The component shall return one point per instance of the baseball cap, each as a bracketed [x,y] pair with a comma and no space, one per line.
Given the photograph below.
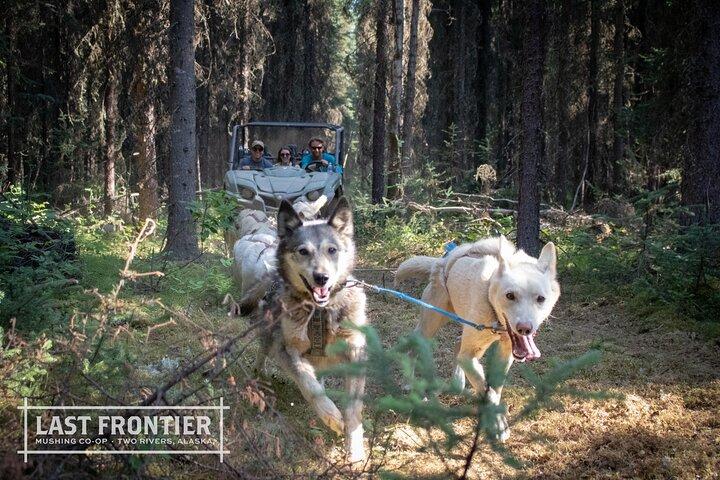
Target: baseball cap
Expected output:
[257,143]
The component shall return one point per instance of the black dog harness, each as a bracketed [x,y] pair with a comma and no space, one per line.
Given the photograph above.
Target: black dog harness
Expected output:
[317,332]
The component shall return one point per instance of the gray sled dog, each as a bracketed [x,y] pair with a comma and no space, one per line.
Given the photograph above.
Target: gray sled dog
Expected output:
[303,312]
[254,251]
[486,282]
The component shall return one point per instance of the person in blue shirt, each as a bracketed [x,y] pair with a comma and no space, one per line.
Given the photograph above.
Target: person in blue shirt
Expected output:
[256,160]
[326,162]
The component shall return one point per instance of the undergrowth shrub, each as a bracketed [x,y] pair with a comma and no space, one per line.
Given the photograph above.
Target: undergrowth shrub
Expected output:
[213,213]
[387,234]
[37,261]
[653,264]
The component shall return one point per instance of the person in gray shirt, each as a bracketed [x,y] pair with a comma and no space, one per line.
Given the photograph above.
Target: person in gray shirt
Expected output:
[256,160]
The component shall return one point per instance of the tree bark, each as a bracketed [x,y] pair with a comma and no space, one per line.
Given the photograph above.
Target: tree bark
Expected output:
[528,222]
[181,237]
[379,126]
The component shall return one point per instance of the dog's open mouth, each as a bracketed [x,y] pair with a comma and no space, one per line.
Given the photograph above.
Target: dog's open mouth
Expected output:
[320,295]
[523,346]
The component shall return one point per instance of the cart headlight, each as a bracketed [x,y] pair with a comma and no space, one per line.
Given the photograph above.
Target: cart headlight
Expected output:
[246,193]
[314,195]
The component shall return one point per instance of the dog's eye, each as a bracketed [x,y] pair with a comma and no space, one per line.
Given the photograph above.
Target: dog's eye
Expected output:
[510,296]
[540,299]
[303,251]
[332,250]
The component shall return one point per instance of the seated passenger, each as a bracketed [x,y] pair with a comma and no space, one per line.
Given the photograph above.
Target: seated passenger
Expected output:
[255,160]
[284,158]
[326,162]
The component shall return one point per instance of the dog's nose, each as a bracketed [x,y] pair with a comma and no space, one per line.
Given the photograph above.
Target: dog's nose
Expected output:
[320,278]
[524,328]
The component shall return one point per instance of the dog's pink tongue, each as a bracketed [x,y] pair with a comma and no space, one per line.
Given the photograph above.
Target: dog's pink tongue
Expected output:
[533,350]
[321,293]
[526,347]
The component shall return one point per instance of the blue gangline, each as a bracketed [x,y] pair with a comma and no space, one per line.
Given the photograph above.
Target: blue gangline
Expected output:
[431,307]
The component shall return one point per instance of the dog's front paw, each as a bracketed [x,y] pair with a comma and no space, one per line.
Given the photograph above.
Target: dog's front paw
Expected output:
[459,377]
[500,429]
[330,415]
[354,445]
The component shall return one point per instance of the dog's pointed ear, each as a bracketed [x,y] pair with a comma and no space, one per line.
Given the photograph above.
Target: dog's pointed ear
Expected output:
[507,248]
[548,259]
[501,267]
[505,252]
[288,219]
[341,218]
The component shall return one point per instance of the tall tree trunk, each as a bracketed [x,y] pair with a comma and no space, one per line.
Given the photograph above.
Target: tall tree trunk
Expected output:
[394,178]
[408,107]
[460,97]
[507,47]
[247,40]
[701,170]
[219,116]
[112,149]
[528,227]
[618,94]
[181,236]
[205,166]
[593,163]
[483,67]
[13,158]
[562,105]
[379,126]
[145,129]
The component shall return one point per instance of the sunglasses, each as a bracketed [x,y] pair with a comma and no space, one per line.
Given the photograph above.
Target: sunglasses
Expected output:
[316,148]
[258,149]
[284,154]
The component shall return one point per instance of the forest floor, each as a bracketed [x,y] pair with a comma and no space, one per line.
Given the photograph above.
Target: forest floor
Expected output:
[662,419]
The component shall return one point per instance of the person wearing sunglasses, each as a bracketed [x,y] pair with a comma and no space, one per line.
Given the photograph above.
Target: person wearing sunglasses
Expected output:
[256,160]
[317,159]
[284,158]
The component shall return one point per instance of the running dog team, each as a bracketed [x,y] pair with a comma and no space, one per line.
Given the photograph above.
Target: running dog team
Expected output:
[488,282]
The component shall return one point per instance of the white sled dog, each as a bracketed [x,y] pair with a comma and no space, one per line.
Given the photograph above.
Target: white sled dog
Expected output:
[303,312]
[486,282]
[253,257]
[254,251]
